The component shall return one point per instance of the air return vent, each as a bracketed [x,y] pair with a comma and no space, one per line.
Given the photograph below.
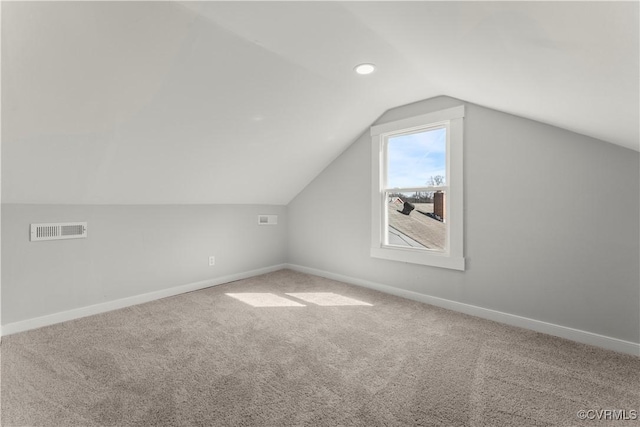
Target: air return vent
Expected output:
[267,219]
[57,231]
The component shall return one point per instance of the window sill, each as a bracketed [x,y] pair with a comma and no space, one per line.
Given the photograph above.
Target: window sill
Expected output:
[413,256]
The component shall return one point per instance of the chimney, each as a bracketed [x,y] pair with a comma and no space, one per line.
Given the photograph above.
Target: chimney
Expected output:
[438,205]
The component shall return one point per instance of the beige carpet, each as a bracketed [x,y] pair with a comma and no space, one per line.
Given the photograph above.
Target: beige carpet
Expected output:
[317,357]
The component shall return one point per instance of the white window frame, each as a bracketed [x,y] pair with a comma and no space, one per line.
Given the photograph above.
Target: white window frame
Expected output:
[453,255]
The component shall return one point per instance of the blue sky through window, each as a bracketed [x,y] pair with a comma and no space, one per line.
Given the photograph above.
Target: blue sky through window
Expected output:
[414,158]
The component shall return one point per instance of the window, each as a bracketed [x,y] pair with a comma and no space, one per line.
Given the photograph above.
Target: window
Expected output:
[417,194]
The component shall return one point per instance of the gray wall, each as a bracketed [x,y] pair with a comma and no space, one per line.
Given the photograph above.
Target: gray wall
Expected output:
[551,229]
[551,224]
[130,250]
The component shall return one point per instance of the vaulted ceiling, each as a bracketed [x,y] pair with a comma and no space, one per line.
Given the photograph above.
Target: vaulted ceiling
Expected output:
[246,102]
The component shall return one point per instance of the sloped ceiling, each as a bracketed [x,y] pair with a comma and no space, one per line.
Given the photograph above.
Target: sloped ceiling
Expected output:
[242,102]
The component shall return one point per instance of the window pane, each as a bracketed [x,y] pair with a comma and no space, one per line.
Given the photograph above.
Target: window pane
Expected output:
[417,219]
[417,159]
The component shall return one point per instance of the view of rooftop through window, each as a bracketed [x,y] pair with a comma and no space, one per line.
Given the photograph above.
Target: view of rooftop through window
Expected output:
[416,189]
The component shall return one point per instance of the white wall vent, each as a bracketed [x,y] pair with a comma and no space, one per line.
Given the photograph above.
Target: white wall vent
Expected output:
[57,231]
[267,219]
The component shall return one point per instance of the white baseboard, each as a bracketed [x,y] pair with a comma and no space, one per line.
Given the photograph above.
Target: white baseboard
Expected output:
[38,322]
[577,335]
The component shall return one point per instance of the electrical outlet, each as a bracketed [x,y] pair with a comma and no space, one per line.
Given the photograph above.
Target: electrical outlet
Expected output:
[212,260]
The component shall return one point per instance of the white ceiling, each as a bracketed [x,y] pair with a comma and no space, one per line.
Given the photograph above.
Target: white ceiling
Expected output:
[238,102]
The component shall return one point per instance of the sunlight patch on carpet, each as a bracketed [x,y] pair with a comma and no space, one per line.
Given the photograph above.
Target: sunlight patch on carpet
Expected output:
[326,298]
[264,299]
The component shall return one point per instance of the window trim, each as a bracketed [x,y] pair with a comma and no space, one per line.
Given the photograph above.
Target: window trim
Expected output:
[453,258]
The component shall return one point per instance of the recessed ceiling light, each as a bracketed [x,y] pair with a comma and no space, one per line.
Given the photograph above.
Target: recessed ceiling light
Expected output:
[365,69]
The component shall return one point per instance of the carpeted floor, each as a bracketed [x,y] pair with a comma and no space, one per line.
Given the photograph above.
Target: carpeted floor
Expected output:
[316,358]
